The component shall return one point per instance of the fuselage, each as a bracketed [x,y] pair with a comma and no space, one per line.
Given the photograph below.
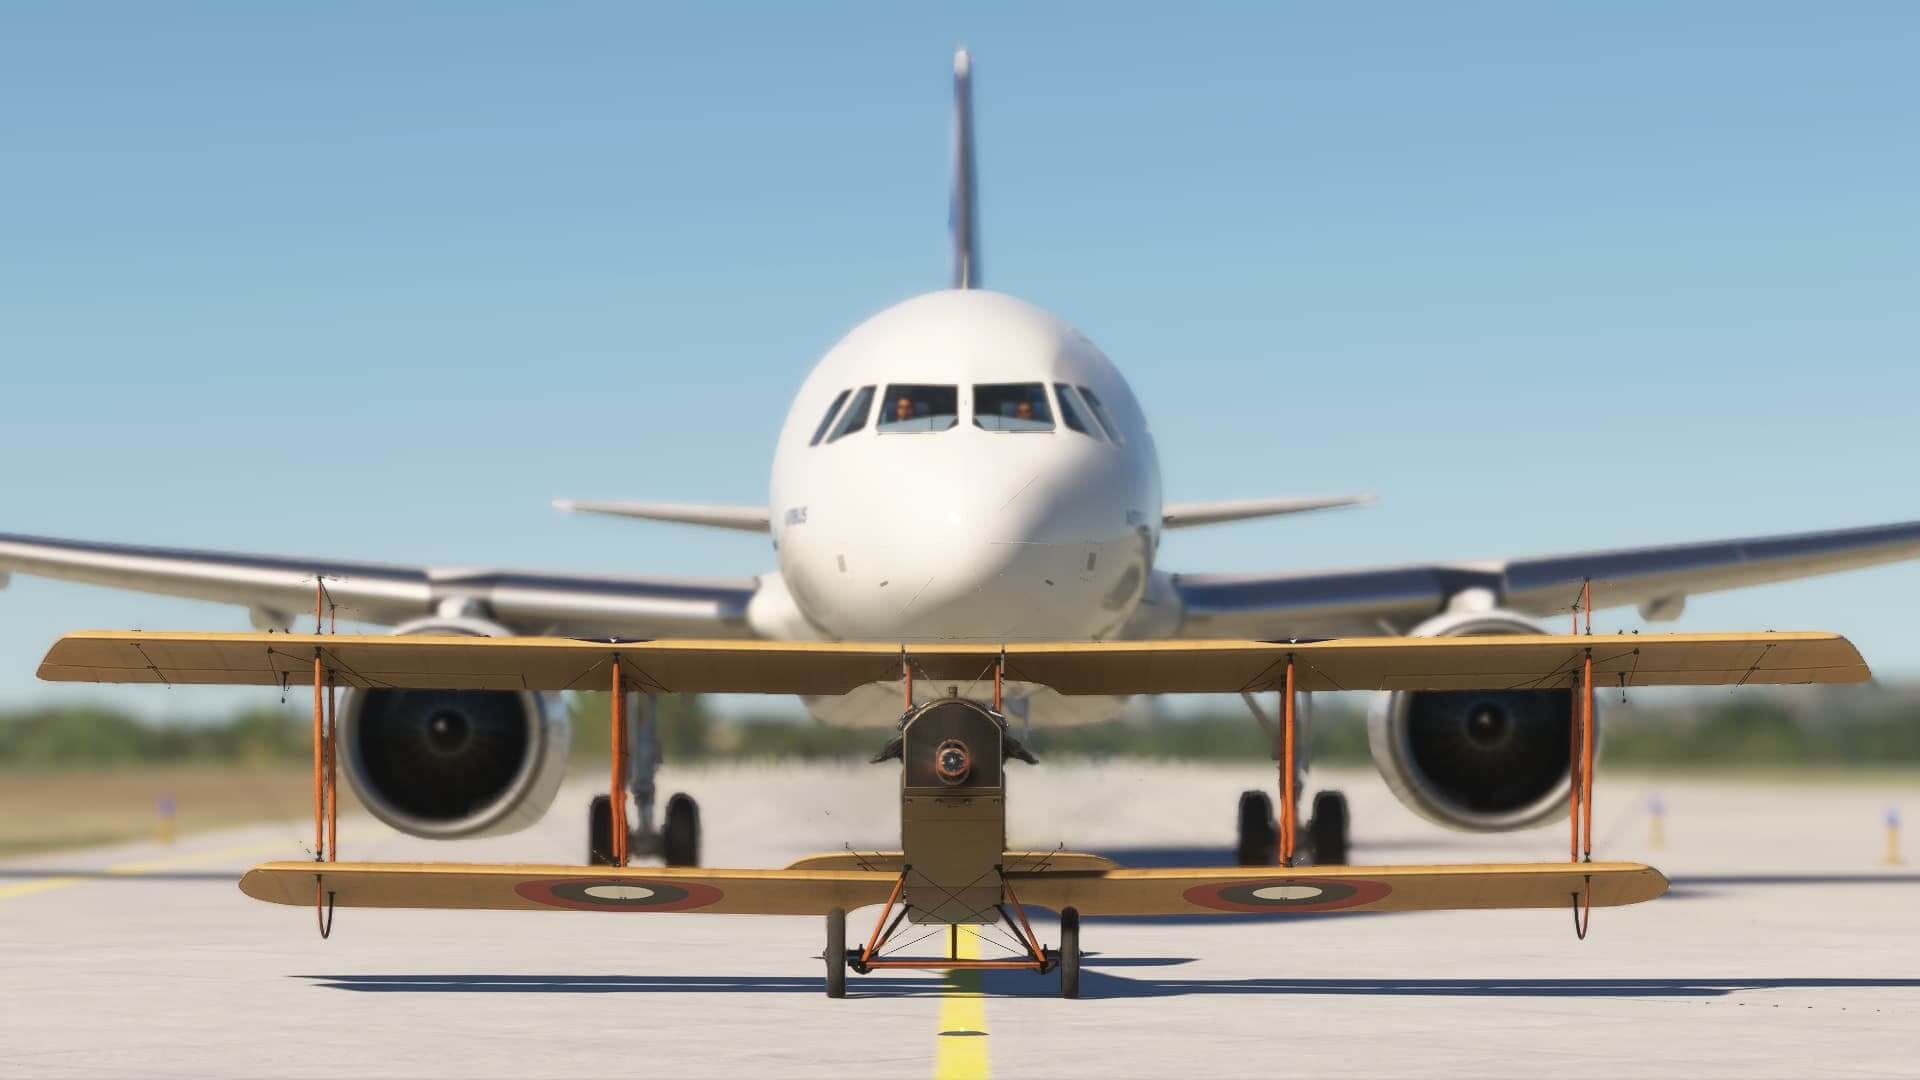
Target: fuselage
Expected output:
[963,466]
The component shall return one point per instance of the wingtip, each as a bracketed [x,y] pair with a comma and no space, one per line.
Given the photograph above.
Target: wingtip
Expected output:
[566,506]
[962,62]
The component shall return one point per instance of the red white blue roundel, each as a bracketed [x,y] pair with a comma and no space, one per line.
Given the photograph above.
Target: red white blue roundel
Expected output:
[618,894]
[1287,895]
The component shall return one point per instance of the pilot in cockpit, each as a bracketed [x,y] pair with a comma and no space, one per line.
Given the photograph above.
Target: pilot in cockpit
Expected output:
[1024,410]
[903,409]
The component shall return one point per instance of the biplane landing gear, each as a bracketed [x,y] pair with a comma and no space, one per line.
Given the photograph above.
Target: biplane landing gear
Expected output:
[1069,953]
[836,954]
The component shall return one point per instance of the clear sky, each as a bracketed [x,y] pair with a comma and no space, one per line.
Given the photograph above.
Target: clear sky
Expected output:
[380,280]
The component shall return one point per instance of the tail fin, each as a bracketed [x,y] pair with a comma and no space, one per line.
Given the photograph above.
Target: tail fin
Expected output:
[964,214]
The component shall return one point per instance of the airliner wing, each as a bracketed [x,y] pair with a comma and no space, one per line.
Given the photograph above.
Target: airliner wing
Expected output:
[1393,599]
[276,587]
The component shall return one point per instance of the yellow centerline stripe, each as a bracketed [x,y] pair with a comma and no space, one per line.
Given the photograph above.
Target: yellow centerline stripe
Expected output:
[960,1052]
[136,869]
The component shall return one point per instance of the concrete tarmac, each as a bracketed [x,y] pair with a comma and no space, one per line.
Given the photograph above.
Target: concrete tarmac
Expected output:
[1788,947]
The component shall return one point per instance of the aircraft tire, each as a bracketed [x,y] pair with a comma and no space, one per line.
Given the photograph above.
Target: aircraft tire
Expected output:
[600,831]
[680,836]
[1259,837]
[836,954]
[1327,830]
[1069,953]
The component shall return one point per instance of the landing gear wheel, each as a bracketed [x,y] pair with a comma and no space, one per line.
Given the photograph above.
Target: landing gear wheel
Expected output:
[1069,953]
[1259,840]
[600,831]
[680,836]
[1327,829]
[836,955]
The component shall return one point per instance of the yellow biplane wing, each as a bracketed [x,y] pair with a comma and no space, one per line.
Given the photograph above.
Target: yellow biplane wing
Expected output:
[1120,667]
[1305,890]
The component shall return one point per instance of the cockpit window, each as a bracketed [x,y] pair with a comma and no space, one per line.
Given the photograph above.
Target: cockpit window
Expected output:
[909,407]
[1011,407]
[832,410]
[1070,411]
[855,417]
[1100,413]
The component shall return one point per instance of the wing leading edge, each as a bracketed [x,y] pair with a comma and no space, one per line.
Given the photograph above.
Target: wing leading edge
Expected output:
[1394,599]
[276,587]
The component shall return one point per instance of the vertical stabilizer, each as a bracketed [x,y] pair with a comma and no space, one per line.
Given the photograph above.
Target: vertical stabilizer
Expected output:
[964,215]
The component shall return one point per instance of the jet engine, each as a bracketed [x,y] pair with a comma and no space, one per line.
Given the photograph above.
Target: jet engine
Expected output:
[1477,760]
[443,764]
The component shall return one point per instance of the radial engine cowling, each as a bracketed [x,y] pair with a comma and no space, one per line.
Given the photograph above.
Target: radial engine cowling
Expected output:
[1478,760]
[444,764]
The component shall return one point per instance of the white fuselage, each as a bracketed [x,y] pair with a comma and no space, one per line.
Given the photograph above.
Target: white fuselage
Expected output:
[965,505]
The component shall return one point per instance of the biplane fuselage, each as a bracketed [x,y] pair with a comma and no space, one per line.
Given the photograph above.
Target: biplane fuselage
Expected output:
[964,525]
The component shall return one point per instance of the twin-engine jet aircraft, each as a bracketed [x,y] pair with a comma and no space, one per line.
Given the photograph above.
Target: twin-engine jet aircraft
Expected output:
[1045,528]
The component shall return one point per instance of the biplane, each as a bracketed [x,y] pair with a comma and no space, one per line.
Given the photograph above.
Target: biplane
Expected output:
[953,867]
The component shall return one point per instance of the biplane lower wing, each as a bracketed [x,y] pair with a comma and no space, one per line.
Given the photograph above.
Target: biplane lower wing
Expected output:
[1198,891]
[1308,890]
[507,887]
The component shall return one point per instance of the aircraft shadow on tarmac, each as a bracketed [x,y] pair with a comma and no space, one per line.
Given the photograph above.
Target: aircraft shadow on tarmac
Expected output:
[1094,984]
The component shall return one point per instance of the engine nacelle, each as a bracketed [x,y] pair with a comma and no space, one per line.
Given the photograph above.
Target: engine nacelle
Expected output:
[444,764]
[1478,760]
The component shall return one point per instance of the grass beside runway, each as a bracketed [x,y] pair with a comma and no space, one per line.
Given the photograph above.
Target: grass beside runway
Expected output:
[56,809]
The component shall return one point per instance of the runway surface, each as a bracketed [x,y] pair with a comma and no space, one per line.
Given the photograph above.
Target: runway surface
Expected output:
[1787,947]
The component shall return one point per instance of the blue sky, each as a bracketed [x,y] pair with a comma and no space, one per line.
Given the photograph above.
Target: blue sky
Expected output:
[378,281]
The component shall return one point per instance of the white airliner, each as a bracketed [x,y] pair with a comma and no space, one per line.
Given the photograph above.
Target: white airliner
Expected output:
[963,465]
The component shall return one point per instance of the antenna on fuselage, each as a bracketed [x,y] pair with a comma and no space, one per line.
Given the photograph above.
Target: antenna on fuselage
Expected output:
[963,215]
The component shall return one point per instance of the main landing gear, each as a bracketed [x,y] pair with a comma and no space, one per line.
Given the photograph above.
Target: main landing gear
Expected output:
[677,839]
[1324,836]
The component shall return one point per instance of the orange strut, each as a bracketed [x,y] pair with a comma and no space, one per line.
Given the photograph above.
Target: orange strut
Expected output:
[1586,755]
[1573,779]
[319,733]
[333,773]
[618,797]
[1286,770]
[866,954]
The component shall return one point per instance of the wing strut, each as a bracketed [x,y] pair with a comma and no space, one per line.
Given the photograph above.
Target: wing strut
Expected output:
[1580,783]
[326,761]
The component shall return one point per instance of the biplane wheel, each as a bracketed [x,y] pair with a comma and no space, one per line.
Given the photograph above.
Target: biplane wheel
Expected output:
[680,836]
[836,955]
[1069,953]
[1259,838]
[600,831]
[1327,829]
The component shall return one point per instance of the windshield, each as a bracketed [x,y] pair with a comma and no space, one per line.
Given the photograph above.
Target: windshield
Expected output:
[1100,413]
[856,415]
[911,407]
[1070,412]
[821,431]
[1011,407]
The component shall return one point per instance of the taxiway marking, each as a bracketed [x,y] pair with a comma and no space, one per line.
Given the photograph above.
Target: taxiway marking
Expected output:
[961,1052]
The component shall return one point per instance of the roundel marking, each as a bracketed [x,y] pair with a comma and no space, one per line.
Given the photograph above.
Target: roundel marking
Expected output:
[1319,894]
[618,894]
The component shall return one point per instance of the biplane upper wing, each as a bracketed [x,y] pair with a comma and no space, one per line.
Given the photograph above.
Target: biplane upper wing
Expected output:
[508,663]
[1093,890]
